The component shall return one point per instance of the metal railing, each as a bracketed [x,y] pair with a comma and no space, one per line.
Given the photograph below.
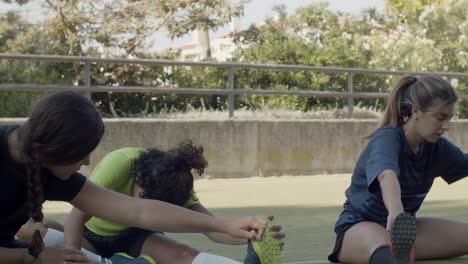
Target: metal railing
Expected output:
[231,91]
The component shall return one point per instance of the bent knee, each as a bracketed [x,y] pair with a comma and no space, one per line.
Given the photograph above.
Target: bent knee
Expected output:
[182,252]
[186,251]
[361,241]
[362,254]
[26,232]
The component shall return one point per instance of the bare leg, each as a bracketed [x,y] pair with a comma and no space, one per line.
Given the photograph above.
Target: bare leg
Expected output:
[168,251]
[440,238]
[26,232]
[360,241]
[165,250]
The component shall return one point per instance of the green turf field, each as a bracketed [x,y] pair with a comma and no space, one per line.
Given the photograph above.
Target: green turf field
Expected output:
[306,206]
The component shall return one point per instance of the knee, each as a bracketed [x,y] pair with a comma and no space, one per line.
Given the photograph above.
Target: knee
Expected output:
[26,232]
[377,247]
[184,252]
[361,252]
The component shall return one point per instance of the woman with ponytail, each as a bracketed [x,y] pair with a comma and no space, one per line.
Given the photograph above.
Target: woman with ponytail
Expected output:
[149,174]
[39,161]
[394,174]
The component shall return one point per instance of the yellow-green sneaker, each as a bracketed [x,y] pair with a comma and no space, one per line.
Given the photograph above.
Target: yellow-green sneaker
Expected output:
[268,249]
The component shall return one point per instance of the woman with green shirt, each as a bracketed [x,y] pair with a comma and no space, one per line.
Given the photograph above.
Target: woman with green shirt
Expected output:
[158,175]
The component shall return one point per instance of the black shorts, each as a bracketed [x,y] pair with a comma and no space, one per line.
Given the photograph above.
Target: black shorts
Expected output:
[129,241]
[340,232]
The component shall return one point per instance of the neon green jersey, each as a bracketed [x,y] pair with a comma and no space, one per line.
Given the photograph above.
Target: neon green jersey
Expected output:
[115,172]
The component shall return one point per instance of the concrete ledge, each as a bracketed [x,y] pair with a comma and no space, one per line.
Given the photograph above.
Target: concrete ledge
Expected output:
[243,148]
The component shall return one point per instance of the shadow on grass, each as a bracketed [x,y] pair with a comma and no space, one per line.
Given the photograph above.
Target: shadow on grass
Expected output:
[309,229]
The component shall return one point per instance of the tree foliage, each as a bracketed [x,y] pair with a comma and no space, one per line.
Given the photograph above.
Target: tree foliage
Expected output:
[435,41]
[410,7]
[125,24]
[432,39]
[18,36]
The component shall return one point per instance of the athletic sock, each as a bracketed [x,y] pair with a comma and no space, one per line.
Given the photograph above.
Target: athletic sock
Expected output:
[382,255]
[252,256]
[55,238]
[205,258]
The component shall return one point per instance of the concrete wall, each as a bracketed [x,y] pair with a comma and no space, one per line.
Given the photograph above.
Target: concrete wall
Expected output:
[242,148]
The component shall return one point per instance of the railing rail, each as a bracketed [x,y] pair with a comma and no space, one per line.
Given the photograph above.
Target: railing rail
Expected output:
[231,91]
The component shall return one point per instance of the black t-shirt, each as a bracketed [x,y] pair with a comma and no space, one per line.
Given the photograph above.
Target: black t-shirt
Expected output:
[13,193]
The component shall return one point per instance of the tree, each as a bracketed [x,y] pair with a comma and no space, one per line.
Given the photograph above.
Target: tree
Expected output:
[19,36]
[409,7]
[433,41]
[126,24]
[312,36]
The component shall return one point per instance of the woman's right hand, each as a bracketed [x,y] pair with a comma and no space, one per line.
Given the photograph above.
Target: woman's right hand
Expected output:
[241,227]
[61,255]
[391,218]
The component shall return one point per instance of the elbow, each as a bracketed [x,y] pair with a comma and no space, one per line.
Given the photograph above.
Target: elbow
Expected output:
[386,174]
[214,237]
[141,214]
[78,214]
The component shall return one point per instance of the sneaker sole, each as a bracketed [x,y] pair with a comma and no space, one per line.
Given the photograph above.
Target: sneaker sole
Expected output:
[403,236]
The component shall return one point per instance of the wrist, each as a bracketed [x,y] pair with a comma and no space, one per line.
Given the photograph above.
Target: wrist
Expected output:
[72,246]
[218,225]
[396,210]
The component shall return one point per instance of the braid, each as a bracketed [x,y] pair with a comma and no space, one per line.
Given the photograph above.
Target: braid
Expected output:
[63,127]
[35,199]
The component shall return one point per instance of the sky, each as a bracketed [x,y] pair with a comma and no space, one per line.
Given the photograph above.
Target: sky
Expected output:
[255,12]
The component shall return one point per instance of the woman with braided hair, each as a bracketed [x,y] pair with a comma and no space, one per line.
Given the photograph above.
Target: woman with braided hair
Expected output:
[39,161]
[159,175]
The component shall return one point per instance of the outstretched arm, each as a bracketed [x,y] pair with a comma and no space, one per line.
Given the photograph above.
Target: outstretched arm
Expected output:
[217,237]
[157,215]
[391,194]
[73,231]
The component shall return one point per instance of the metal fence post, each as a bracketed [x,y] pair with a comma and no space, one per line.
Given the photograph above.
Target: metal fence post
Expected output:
[350,95]
[87,78]
[231,88]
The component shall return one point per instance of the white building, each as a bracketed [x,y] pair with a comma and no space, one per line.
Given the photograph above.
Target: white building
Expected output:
[221,47]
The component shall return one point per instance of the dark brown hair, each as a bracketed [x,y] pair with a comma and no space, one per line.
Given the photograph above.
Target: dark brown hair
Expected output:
[62,128]
[166,176]
[420,91]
